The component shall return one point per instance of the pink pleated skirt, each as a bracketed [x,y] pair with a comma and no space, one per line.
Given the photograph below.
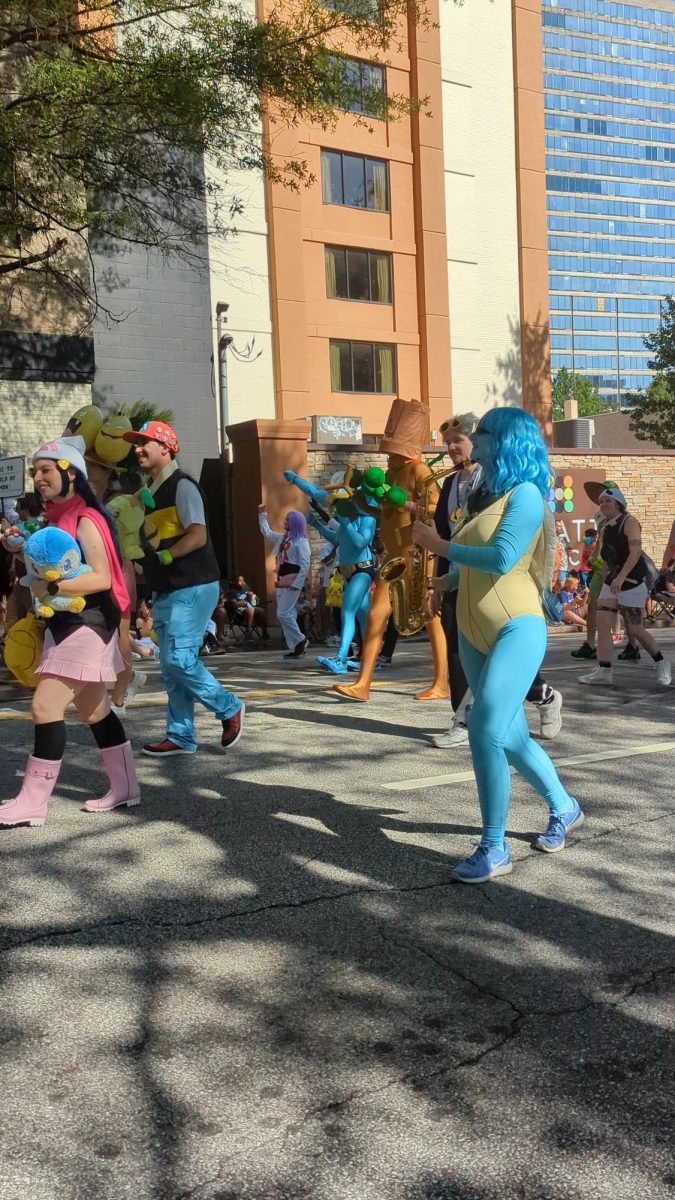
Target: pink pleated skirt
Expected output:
[82,656]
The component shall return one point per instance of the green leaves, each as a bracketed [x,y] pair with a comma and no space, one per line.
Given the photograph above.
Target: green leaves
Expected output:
[653,411]
[109,107]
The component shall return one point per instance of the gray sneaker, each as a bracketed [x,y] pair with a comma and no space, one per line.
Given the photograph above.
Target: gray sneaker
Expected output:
[550,718]
[456,735]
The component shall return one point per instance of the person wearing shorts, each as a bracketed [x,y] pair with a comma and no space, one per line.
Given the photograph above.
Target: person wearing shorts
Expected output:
[624,589]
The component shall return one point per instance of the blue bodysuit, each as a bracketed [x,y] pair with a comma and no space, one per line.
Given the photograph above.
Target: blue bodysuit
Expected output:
[502,641]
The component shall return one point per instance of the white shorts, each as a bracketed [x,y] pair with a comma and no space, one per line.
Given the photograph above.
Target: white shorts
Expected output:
[635,597]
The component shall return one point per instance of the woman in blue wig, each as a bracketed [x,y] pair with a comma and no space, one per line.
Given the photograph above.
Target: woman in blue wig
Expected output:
[498,556]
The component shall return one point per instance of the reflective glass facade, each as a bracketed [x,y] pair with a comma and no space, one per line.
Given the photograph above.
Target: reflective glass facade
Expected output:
[609,81]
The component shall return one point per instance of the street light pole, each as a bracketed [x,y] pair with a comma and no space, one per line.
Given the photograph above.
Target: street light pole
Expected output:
[224,340]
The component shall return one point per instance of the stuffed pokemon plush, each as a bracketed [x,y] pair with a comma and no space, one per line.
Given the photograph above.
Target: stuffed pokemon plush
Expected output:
[52,554]
[109,446]
[86,422]
[23,649]
[129,516]
[15,537]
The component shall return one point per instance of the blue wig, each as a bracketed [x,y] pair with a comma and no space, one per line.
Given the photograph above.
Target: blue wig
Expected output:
[518,452]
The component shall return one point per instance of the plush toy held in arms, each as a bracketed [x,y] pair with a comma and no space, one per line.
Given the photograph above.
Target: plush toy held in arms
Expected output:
[52,555]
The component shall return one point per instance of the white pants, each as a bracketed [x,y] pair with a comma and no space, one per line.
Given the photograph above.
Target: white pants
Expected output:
[287,605]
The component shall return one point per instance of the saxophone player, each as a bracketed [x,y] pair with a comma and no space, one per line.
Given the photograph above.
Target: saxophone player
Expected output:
[404,434]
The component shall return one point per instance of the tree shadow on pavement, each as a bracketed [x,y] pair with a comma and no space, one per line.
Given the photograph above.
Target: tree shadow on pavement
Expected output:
[263,996]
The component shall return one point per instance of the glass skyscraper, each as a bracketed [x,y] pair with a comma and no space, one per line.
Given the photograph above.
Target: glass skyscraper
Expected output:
[609,83]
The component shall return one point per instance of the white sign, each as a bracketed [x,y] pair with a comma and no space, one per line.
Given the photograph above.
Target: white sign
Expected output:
[11,478]
[344,430]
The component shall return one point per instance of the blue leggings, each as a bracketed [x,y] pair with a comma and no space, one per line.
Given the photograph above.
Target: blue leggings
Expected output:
[498,732]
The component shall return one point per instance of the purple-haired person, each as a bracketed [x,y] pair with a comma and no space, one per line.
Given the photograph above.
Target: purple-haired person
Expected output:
[292,554]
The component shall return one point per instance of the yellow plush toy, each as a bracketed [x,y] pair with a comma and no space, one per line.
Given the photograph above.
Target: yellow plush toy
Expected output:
[109,446]
[23,649]
[86,423]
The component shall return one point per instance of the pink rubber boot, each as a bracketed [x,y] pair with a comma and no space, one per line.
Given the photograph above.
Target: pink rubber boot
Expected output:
[31,806]
[118,764]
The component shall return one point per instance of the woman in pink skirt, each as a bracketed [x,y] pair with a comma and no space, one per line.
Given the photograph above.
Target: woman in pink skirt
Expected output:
[80,654]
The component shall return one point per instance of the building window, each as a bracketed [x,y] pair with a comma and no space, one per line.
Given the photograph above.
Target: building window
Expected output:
[358,275]
[355,181]
[363,84]
[362,367]
[365,10]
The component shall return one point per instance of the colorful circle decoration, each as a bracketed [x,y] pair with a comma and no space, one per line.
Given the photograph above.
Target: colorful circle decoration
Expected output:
[561,494]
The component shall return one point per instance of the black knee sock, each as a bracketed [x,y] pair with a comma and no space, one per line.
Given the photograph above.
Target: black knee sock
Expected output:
[658,657]
[50,740]
[109,732]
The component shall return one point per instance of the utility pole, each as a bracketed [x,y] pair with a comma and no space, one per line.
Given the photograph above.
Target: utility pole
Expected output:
[618,357]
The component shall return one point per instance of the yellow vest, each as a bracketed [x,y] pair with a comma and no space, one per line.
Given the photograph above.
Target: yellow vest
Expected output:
[486,603]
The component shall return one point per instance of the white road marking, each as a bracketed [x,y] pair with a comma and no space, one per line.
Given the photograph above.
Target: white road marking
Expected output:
[413,785]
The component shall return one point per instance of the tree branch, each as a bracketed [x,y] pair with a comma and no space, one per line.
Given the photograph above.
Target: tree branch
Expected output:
[19,264]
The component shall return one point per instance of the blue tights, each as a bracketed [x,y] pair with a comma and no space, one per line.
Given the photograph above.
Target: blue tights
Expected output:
[498,732]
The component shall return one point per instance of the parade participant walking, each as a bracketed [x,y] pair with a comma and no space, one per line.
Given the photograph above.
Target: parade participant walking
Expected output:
[293,557]
[80,655]
[184,578]
[499,556]
[456,433]
[624,589]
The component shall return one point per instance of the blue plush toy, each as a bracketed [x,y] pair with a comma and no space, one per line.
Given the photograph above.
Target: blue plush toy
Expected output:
[51,554]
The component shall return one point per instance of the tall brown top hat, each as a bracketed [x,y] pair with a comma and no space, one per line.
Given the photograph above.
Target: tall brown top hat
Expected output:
[406,428]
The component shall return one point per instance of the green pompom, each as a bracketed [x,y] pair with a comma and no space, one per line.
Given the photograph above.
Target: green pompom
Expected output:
[373,478]
[146,497]
[397,496]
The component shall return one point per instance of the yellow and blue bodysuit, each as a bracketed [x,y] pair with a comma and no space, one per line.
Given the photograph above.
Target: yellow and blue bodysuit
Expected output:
[502,636]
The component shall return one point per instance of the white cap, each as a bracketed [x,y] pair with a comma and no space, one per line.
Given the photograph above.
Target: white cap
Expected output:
[614,493]
[69,450]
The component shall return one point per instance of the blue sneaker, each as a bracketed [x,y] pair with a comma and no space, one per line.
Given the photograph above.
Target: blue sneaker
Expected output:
[559,825]
[486,862]
[338,666]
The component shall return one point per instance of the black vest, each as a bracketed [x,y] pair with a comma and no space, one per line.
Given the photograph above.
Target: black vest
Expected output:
[615,551]
[200,566]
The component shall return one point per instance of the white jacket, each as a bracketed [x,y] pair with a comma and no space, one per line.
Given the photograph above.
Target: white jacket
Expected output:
[298,552]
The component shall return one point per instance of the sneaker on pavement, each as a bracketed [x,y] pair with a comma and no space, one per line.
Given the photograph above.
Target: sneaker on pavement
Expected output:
[486,862]
[585,651]
[165,749]
[550,717]
[232,728]
[663,673]
[383,660]
[456,735]
[559,825]
[617,638]
[599,676]
[139,680]
[629,654]
[298,651]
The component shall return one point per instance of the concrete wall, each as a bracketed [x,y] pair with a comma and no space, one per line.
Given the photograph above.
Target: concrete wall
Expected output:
[481,203]
[161,350]
[30,412]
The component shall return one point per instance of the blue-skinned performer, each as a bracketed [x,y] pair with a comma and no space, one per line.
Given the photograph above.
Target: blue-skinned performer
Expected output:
[356,527]
[498,556]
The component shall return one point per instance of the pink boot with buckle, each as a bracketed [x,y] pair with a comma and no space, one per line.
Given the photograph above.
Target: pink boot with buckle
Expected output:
[31,806]
[118,763]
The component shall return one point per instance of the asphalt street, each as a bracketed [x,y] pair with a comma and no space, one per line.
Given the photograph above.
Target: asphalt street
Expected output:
[262,984]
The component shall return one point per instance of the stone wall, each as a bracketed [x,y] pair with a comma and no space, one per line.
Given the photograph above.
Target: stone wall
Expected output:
[646,479]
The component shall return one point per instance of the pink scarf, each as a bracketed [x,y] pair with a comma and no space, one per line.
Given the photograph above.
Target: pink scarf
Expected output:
[67,517]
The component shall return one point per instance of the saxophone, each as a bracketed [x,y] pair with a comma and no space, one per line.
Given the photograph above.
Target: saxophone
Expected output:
[409,574]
